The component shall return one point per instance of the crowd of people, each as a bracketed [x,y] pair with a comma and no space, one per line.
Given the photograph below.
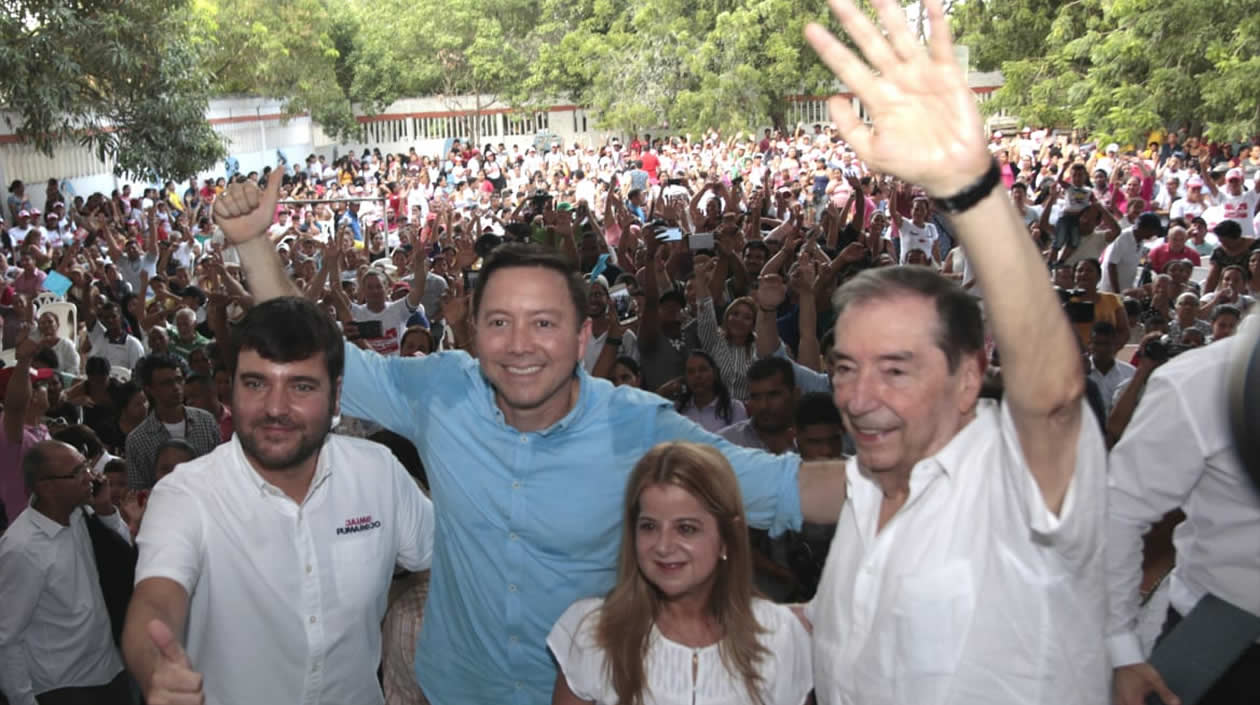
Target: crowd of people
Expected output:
[912,415]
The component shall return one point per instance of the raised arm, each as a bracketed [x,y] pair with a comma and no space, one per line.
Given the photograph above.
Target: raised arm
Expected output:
[244,213]
[920,98]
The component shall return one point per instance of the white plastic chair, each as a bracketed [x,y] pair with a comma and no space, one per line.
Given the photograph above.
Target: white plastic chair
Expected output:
[44,298]
[66,313]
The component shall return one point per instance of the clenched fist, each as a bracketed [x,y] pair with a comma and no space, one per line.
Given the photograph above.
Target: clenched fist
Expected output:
[245,211]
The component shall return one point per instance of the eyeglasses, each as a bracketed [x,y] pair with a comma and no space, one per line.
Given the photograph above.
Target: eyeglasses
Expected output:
[76,474]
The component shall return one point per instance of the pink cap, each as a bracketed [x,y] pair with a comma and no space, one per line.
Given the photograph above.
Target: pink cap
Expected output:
[1194,182]
[1234,173]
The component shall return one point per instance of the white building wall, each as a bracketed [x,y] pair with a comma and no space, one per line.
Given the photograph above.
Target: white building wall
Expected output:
[257,133]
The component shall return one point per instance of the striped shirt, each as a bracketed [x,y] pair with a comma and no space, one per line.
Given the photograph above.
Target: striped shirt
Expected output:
[732,360]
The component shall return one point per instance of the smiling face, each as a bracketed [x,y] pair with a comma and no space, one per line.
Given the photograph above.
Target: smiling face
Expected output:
[283,410]
[739,321]
[892,384]
[529,342]
[678,543]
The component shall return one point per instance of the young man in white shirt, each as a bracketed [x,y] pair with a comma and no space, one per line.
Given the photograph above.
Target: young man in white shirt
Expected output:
[1120,262]
[967,561]
[55,639]
[264,566]
[1106,371]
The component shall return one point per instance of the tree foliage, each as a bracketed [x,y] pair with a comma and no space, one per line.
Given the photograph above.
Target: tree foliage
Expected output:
[119,77]
[294,50]
[725,64]
[1121,68]
[449,48]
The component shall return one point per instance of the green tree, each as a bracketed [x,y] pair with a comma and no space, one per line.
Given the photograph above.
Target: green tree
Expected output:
[727,64]
[441,47]
[295,51]
[1121,68]
[119,77]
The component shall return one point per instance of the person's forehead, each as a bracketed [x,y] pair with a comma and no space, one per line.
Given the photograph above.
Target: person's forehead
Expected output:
[250,362]
[891,325]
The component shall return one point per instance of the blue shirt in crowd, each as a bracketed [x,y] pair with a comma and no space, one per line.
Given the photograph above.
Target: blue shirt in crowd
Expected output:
[527,523]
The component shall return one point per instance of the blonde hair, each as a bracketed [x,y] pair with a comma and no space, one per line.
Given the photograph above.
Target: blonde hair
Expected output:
[630,609]
[741,301]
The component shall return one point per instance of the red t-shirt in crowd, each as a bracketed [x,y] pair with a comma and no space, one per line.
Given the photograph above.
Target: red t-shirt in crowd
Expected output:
[650,165]
[1160,256]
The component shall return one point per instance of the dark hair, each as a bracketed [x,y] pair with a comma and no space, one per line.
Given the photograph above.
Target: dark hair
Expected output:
[83,438]
[115,465]
[1104,328]
[515,255]
[1093,262]
[1226,309]
[47,358]
[1228,229]
[816,408]
[959,326]
[288,329]
[770,367]
[175,444]
[756,245]
[630,364]
[720,390]
[157,361]
[1242,271]
[675,296]
[97,365]
[122,393]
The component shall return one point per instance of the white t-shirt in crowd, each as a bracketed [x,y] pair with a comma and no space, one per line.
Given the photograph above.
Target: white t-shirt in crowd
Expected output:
[1241,209]
[295,617]
[914,237]
[681,675]
[1182,208]
[393,320]
[1124,254]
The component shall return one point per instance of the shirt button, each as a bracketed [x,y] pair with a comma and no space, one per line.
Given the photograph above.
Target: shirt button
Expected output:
[512,536]
[518,685]
[312,619]
[308,568]
[516,485]
[511,588]
[514,639]
[524,438]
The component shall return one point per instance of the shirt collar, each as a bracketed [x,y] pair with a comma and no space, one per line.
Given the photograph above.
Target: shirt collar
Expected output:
[951,458]
[49,527]
[323,469]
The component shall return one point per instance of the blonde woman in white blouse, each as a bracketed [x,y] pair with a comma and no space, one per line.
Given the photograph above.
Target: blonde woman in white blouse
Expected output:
[682,626]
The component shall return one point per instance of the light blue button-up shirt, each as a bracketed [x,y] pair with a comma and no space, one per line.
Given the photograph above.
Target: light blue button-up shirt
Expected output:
[527,523]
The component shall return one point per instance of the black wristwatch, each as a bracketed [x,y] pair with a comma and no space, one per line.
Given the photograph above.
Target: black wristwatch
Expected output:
[612,341]
[973,194]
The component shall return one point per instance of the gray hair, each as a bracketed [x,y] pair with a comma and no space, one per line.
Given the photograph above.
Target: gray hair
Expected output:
[959,326]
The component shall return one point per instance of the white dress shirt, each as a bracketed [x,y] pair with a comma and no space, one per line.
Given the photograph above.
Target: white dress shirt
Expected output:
[286,600]
[54,628]
[1110,383]
[974,592]
[1178,452]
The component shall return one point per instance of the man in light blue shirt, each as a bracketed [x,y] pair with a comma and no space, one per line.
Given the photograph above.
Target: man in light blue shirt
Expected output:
[527,457]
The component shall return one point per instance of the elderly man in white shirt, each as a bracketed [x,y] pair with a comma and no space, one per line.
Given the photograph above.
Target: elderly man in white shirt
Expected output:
[1177,452]
[967,562]
[264,566]
[55,640]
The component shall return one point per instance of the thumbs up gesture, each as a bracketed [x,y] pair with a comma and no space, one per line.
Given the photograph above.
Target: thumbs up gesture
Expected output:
[245,211]
[174,681]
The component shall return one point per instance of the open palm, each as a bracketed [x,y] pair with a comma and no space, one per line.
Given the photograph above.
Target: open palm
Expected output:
[925,128]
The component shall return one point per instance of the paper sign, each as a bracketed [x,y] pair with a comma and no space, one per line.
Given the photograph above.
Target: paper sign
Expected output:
[57,283]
